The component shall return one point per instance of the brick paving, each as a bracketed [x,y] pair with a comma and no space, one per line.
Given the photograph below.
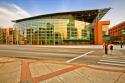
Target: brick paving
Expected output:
[18,70]
[56,73]
[25,72]
[9,70]
[31,71]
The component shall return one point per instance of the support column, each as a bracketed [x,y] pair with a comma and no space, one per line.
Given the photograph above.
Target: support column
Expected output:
[98,33]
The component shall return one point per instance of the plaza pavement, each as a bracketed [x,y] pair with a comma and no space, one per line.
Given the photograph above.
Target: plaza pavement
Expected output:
[50,70]
[34,71]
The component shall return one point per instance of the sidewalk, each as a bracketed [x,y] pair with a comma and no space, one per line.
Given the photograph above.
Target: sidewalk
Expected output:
[117,52]
[27,71]
[64,46]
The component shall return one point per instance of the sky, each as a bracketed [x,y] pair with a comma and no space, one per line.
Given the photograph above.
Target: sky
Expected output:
[18,9]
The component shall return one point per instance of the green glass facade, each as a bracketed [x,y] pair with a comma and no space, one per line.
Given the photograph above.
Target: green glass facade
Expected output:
[52,31]
[58,28]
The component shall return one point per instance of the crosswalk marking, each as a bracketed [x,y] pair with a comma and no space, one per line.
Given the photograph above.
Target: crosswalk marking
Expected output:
[112,64]
[112,61]
[78,57]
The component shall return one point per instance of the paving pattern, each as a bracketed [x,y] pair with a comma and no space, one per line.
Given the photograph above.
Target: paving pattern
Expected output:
[9,70]
[33,71]
[87,69]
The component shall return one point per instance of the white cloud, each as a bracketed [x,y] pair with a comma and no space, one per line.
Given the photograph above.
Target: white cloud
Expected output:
[10,12]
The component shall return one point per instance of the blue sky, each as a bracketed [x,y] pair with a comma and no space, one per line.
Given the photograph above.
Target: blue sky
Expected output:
[48,6]
[16,9]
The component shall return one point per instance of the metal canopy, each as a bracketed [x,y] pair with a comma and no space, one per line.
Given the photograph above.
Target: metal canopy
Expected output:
[85,15]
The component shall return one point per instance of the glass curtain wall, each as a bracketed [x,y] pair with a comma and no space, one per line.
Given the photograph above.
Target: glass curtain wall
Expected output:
[52,31]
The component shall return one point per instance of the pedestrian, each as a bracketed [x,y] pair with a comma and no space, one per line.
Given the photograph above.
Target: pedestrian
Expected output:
[103,45]
[111,47]
[106,48]
[121,44]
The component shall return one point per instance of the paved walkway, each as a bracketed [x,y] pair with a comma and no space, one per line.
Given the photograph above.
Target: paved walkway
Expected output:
[25,72]
[61,46]
[36,71]
[62,71]
[110,69]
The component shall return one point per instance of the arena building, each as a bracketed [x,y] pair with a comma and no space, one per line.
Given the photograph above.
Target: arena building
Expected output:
[64,28]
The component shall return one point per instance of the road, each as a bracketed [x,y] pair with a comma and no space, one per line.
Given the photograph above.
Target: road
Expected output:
[51,53]
[62,53]
[49,64]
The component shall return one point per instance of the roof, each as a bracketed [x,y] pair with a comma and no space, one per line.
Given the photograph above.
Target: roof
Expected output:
[86,15]
[118,25]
